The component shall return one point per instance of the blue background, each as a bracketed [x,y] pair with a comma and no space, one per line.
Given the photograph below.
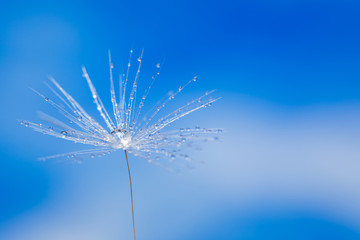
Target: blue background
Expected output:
[288,164]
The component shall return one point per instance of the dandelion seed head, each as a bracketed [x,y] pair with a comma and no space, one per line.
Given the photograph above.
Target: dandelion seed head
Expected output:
[128,128]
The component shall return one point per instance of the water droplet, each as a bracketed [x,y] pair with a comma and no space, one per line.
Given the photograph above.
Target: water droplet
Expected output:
[194,79]
[206,93]
[46,99]
[64,133]
[51,128]
[139,59]
[111,65]
[26,124]
[92,155]
[158,65]
[180,88]
[79,118]
[172,156]
[131,51]
[158,73]
[158,108]
[197,128]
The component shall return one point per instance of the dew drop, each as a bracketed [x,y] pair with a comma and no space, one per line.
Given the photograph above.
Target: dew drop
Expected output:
[92,155]
[172,156]
[194,79]
[180,88]
[111,65]
[26,124]
[64,133]
[158,65]
[139,59]
[197,128]
[46,99]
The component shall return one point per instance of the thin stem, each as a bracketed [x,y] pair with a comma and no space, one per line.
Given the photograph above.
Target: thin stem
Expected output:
[131,193]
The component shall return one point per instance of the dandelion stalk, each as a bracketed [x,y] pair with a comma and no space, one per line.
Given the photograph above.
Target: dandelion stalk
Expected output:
[131,193]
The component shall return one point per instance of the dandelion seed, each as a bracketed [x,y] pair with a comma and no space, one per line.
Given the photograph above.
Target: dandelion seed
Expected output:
[148,138]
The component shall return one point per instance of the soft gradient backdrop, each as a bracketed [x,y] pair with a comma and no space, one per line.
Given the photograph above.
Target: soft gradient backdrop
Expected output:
[288,164]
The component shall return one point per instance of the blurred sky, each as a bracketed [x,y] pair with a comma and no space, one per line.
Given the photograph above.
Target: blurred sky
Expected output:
[288,164]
